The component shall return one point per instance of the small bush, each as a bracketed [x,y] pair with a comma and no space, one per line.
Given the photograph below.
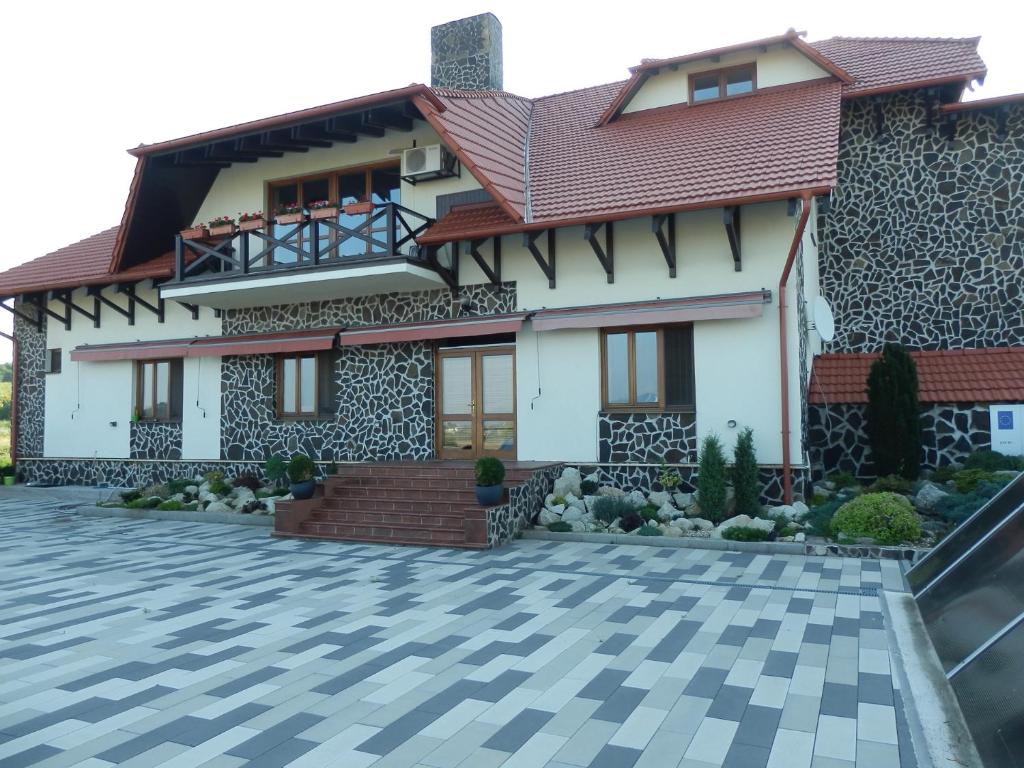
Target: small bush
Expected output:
[559,526]
[966,480]
[129,496]
[157,489]
[649,512]
[143,503]
[786,530]
[744,475]
[608,508]
[888,518]
[558,500]
[489,471]
[178,485]
[711,473]
[891,484]
[944,474]
[276,470]
[247,480]
[668,477]
[170,504]
[301,468]
[631,521]
[744,533]
[957,507]
[994,461]
[588,487]
[649,530]
[842,480]
[213,476]
[818,499]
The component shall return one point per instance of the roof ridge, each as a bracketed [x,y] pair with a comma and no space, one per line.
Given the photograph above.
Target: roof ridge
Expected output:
[579,90]
[898,39]
[459,93]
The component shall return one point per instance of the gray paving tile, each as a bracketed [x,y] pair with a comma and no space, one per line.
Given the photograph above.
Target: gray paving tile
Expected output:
[518,730]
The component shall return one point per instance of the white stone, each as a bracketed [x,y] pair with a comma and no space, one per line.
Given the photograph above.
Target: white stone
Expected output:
[682,500]
[800,537]
[802,510]
[578,527]
[743,521]
[658,498]
[218,507]
[589,501]
[206,497]
[193,489]
[268,504]
[652,523]
[672,531]
[549,500]
[667,512]
[568,482]
[204,487]
[572,514]
[592,478]
[683,524]
[608,490]
[636,498]
[243,496]
[548,516]
[575,501]
[783,510]
[928,496]
[701,524]
[178,497]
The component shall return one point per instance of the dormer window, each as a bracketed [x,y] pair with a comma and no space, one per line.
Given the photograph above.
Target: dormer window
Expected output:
[722,83]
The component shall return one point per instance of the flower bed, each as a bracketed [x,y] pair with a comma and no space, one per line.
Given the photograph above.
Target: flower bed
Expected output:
[210,493]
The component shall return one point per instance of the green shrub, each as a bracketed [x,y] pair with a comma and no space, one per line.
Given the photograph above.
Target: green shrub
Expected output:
[649,530]
[668,477]
[558,500]
[711,473]
[276,470]
[649,512]
[842,480]
[178,485]
[143,503]
[891,484]
[957,507]
[944,474]
[559,526]
[993,461]
[893,415]
[744,475]
[818,499]
[744,533]
[966,480]
[608,508]
[129,496]
[888,518]
[489,471]
[157,489]
[170,504]
[301,468]
[588,487]
[786,530]
[631,521]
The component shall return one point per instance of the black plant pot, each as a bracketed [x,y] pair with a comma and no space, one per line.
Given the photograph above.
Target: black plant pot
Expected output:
[303,490]
[489,495]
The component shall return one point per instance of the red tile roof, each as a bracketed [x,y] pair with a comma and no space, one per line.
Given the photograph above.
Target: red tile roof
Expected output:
[468,221]
[979,104]
[86,262]
[884,64]
[946,376]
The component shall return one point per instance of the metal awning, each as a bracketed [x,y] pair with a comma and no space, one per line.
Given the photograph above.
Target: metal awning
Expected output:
[210,346]
[721,307]
[433,329]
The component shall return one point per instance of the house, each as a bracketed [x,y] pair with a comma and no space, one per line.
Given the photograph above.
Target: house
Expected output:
[600,277]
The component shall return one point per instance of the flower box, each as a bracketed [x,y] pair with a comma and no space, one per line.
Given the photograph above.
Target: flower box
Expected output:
[250,224]
[195,233]
[329,212]
[290,218]
[223,230]
[358,209]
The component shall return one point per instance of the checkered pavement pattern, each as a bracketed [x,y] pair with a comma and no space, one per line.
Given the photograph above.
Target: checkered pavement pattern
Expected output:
[141,643]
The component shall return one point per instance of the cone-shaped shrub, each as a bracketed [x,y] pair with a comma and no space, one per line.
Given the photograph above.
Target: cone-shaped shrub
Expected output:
[744,475]
[711,479]
[894,415]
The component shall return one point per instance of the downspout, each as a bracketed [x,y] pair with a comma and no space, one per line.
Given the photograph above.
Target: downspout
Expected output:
[14,400]
[805,212]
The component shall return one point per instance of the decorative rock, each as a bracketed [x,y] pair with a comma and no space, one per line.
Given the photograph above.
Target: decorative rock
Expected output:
[572,514]
[206,497]
[549,500]
[218,507]
[928,496]
[592,478]
[204,487]
[589,501]
[682,500]
[671,531]
[607,490]
[820,490]
[700,524]
[827,485]
[800,537]
[548,516]
[682,524]
[652,523]
[269,504]
[574,501]
[743,521]
[783,510]
[637,498]
[667,512]
[568,482]
[578,527]
[178,497]
[192,489]
[658,498]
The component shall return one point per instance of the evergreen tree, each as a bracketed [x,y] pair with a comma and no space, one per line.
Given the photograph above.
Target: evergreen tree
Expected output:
[711,479]
[744,475]
[894,415]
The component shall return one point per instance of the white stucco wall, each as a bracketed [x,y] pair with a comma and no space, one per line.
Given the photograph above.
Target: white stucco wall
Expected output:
[85,398]
[736,361]
[780,65]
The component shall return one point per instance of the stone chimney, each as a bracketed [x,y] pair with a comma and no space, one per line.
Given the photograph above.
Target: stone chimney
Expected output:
[466,54]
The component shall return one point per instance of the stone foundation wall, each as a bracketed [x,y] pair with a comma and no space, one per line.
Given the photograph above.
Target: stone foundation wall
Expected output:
[123,473]
[506,521]
[838,441]
[155,440]
[31,401]
[647,438]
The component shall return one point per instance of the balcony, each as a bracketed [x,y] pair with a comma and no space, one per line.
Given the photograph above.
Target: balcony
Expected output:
[323,255]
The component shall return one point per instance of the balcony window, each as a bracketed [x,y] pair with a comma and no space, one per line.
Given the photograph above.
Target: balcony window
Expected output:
[648,368]
[722,83]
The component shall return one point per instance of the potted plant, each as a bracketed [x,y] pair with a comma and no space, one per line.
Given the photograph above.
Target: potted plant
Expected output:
[323,209]
[197,232]
[222,226]
[8,473]
[289,213]
[359,208]
[247,222]
[490,476]
[302,474]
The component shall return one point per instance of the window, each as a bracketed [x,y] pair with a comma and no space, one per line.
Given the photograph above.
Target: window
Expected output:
[722,83]
[306,385]
[53,360]
[648,368]
[158,390]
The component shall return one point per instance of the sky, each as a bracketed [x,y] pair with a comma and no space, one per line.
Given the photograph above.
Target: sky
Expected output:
[84,81]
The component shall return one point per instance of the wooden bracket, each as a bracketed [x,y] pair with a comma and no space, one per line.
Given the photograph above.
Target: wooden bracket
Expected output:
[450,275]
[664,228]
[491,271]
[193,308]
[129,314]
[731,219]
[547,265]
[133,298]
[64,297]
[39,302]
[37,321]
[605,255]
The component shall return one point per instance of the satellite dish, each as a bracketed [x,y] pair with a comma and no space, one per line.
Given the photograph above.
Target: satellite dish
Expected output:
[824,322]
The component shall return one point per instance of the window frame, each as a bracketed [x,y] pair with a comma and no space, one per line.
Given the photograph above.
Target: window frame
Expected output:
[723,74]
[54,355]
[632,406]
[321,358]
[171,417]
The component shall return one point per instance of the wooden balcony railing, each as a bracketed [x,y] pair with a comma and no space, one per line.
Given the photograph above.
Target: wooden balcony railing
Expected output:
[388,232]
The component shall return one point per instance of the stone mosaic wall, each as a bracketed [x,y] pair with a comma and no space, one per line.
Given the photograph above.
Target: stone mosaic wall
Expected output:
[504,522]
[466,54]
[924,243]
[647,438]
[384,406]
[838,441]
[155,440]
[119,473]
[31,384]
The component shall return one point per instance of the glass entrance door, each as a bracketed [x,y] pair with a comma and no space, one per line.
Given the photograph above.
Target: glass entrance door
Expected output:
[476,403]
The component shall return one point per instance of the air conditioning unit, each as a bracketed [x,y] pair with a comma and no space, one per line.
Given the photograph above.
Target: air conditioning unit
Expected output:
[430,162]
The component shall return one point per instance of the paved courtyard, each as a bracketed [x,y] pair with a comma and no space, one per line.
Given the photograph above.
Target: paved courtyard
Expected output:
[143,643]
